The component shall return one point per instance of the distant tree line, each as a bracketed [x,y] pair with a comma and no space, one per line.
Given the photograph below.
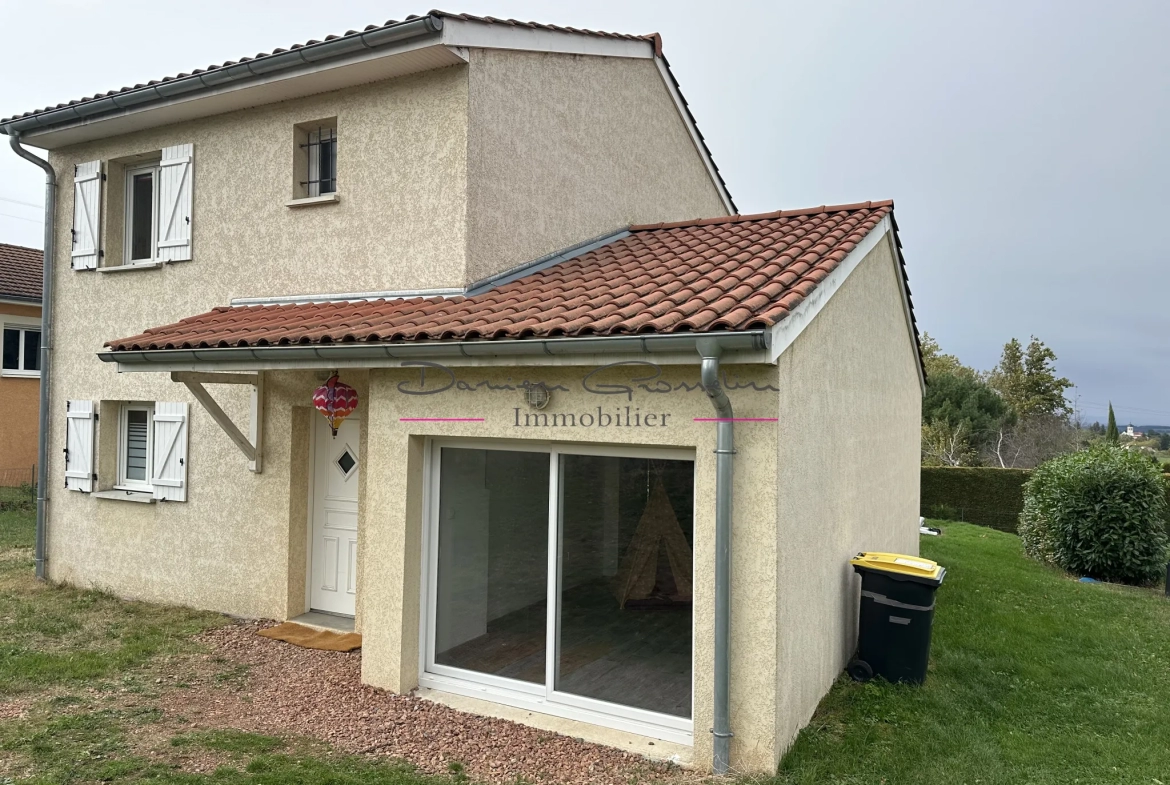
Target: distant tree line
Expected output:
[1013,416]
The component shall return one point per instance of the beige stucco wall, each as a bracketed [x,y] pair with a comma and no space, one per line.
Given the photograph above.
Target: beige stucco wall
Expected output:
[399,224]
[562,148]
[18,429]
[848,475]
[401,165]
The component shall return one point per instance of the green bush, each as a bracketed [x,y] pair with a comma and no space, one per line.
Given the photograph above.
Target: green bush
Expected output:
[1100,512]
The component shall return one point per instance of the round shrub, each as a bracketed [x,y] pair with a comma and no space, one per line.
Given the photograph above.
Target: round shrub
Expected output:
[1100,513]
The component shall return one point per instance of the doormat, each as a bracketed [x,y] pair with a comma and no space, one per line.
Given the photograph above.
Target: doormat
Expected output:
[309,638]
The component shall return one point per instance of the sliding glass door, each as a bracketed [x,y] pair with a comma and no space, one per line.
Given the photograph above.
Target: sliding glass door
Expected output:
[608,538]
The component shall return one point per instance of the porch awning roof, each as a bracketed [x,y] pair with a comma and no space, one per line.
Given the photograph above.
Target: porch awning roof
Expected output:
[734,274]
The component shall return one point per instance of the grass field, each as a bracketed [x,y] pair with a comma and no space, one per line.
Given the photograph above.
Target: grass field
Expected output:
[1034,678]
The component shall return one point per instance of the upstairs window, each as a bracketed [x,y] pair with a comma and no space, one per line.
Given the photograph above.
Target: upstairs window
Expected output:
[322,162]
[21,351]
[315,162]
[147,210]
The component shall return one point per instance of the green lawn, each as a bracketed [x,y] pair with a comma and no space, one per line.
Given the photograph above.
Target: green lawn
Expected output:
[1034,678]
[85,666]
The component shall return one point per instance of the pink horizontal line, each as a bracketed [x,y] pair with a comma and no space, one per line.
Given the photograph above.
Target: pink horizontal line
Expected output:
[440,419]
[737,419]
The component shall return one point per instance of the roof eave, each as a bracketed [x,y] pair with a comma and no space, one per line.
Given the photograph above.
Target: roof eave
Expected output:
[742,346]
[38,128]
[19,299]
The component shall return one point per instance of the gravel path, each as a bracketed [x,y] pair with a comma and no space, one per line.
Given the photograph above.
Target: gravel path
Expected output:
[303,692]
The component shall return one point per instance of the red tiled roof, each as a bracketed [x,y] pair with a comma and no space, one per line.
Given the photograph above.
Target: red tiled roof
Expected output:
[20,272]
[653,37]
[737,273]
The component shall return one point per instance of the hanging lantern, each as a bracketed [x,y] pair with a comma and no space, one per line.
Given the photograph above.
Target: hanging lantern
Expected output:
[336,400]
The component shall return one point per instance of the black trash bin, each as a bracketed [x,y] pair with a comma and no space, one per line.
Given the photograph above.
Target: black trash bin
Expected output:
[897,612]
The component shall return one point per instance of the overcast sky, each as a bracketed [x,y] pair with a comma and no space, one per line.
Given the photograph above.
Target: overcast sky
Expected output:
[1026,144]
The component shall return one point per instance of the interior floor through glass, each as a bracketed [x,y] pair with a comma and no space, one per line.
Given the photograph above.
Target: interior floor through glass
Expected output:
[634,658]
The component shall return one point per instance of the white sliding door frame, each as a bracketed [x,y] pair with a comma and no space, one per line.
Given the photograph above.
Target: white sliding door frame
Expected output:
[542,698]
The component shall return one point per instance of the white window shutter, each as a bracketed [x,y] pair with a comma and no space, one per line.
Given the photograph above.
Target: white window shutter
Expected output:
[169,473]
[177,168]
[79,430]
[87,207]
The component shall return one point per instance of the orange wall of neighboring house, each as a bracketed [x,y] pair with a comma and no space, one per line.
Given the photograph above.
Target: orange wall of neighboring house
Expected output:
[19,399]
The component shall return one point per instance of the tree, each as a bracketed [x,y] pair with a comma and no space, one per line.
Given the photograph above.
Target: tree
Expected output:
[1111,434]
[1026,380]
[1031,442]
[957,398]
[944,444]
[1164,441]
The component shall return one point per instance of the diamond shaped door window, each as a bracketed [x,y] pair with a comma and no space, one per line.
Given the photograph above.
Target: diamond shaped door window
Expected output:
[346,463]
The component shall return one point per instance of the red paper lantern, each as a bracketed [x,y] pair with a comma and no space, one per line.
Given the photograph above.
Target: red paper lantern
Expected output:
[336,400]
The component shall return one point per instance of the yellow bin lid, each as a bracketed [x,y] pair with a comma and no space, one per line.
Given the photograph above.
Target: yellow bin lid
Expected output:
[900,564]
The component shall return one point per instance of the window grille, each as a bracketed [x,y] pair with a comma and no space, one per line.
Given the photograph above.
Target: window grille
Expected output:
[321,153]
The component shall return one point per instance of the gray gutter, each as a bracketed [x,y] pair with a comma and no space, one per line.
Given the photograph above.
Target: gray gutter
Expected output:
[750,340]
[46,349]
[141,97]
[711,350]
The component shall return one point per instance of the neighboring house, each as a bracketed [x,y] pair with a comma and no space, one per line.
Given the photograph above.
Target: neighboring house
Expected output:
[467,221]
[20,369]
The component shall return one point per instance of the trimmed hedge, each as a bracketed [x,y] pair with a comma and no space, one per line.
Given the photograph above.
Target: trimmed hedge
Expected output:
[980,494]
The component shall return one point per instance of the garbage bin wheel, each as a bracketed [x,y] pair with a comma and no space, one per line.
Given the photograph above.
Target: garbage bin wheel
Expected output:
[859,670]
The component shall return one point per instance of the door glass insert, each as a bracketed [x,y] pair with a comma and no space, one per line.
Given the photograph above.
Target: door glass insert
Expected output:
[492,573]
[346,462]
[626,540]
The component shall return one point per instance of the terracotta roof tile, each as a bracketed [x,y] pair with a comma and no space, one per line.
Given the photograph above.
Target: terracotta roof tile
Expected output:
[20,272]
[738,273]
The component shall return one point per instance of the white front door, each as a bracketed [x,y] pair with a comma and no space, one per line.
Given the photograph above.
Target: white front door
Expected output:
[333,586]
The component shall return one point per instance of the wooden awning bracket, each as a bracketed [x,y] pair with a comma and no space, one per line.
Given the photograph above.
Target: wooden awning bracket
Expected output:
[251,445]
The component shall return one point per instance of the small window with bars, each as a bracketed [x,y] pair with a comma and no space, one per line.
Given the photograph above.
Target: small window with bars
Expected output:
[317,164]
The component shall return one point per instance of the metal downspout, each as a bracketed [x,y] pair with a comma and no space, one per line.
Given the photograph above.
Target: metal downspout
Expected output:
[710,351]
[46,346]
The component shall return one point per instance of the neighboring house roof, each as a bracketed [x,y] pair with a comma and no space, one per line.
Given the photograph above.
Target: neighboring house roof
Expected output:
[736,273]
[20,273]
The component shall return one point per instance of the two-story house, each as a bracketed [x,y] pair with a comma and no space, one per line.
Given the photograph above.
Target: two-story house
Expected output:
[582,477]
